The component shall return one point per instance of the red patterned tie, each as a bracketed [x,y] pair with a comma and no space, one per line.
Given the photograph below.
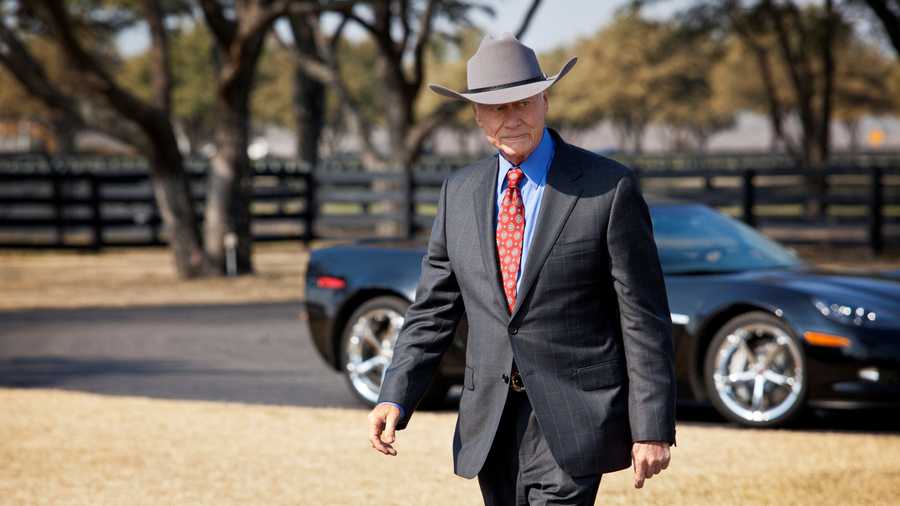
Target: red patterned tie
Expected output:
[510,232]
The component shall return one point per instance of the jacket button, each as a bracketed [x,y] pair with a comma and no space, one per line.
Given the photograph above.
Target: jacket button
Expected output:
[514,330]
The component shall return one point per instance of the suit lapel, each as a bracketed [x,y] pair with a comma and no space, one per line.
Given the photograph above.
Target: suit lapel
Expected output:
[485,197]
[560,194]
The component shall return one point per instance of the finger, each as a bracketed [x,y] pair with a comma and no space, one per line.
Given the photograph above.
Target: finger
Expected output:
[376,425]
[390,424]
[640,472]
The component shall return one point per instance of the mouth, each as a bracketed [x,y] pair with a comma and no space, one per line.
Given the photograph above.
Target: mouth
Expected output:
[514,138]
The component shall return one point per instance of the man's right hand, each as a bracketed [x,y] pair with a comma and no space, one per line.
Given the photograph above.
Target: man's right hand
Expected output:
[382,421]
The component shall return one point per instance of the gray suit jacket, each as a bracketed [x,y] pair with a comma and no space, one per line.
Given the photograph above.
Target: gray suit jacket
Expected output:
[590,332]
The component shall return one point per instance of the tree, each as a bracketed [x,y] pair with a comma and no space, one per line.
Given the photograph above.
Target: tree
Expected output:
[800,41]
[191,55]
[18,103]
[150,117]
[688,103]
[888,11]
[238,44]
[862,86]
[239,32]
[402,32]
[309,93]
[648,72]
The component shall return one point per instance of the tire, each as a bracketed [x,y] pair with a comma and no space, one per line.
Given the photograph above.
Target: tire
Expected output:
[755,371]
[366,347]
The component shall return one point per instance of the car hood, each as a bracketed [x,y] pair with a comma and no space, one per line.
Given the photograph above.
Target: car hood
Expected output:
[876,289]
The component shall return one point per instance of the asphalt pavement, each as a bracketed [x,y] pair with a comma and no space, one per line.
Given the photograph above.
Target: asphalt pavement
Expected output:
[251,353]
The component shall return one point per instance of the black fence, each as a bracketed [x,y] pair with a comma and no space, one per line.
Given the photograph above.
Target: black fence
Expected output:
[94,203]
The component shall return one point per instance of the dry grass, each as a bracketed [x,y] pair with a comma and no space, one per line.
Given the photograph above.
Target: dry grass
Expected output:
[66,448]
[138,277]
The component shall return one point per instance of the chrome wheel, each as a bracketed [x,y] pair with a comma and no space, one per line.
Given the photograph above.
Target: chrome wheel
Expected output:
[755,368]
[369,346]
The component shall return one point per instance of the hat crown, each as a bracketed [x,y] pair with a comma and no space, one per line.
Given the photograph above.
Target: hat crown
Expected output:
[501,60]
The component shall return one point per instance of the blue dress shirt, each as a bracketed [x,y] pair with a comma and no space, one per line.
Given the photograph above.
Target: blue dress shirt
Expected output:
[535,169]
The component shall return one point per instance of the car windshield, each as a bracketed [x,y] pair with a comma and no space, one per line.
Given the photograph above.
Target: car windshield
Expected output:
[695,239]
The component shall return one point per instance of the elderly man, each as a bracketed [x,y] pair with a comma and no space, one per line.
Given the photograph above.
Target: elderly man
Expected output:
[549,251]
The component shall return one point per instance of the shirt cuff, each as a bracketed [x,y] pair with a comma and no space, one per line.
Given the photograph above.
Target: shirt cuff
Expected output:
[402,411]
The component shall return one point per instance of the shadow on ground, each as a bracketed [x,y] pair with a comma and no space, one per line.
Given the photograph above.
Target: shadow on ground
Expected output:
[878,421]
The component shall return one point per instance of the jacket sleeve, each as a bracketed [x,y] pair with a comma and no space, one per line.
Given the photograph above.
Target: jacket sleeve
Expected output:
[643,313]
[429,325]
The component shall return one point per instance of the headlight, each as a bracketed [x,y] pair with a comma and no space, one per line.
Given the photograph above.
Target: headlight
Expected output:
[847,314]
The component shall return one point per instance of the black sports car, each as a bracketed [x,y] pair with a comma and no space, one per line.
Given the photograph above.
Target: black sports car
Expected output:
[758,333]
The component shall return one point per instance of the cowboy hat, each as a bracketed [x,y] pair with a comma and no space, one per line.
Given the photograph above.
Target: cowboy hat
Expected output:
[503,70]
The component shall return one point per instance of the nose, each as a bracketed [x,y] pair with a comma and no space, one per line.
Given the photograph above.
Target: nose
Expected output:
[513,118]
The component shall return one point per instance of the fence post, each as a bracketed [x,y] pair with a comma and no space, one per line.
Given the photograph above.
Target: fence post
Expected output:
[96,212]
[311,207]
[58,203]
[749,197]
[876,208]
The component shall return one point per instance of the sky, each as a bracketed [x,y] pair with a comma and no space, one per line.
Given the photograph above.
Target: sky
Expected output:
[556,22]
[561,22]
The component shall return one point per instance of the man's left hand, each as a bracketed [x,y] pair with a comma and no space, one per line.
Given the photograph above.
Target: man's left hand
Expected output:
[649,458]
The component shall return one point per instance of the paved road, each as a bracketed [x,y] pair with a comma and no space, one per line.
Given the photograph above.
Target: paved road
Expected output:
[253,353]
[256,353]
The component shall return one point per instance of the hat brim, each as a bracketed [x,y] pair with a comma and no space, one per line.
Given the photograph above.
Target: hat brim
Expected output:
[506,95]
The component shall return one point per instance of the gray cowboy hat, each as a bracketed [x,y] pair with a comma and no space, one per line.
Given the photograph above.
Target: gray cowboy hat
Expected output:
[503,70]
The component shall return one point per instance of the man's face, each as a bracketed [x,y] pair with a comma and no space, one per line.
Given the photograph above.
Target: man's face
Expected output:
[514,128]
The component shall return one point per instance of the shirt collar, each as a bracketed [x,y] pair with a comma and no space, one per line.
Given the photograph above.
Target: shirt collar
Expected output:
[535,166]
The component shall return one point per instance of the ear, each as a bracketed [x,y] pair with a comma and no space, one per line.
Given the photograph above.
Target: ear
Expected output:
[546,101]
[475,112]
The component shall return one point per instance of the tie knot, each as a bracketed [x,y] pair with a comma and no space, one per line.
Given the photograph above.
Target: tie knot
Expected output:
[513,177]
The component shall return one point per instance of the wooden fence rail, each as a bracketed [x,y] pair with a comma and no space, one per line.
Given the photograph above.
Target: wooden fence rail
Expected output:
[97,203]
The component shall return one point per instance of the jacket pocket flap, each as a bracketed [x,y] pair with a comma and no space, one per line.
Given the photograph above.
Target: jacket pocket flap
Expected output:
[574,247]
[600,375]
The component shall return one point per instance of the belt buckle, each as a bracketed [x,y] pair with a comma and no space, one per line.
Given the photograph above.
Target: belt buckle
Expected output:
[516,383]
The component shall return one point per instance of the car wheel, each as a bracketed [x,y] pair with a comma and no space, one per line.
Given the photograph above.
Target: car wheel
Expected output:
[367,346]
[755,371]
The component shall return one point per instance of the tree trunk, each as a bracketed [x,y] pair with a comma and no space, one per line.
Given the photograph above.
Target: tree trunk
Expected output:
[398,118]
[63,131]
[230,183]
[171,188]
[309,93]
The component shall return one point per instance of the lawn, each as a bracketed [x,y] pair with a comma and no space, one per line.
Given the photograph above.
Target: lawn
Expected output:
[68,448]
[65,448]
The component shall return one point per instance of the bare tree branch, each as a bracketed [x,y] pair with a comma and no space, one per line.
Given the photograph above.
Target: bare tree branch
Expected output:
[369,27]
[422,42]
[424,128]
[159,54]
[221,27]
[526,21]
[329,74]
[17,58]
[776,110]
[404,24]
[890,19]
[151,118]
